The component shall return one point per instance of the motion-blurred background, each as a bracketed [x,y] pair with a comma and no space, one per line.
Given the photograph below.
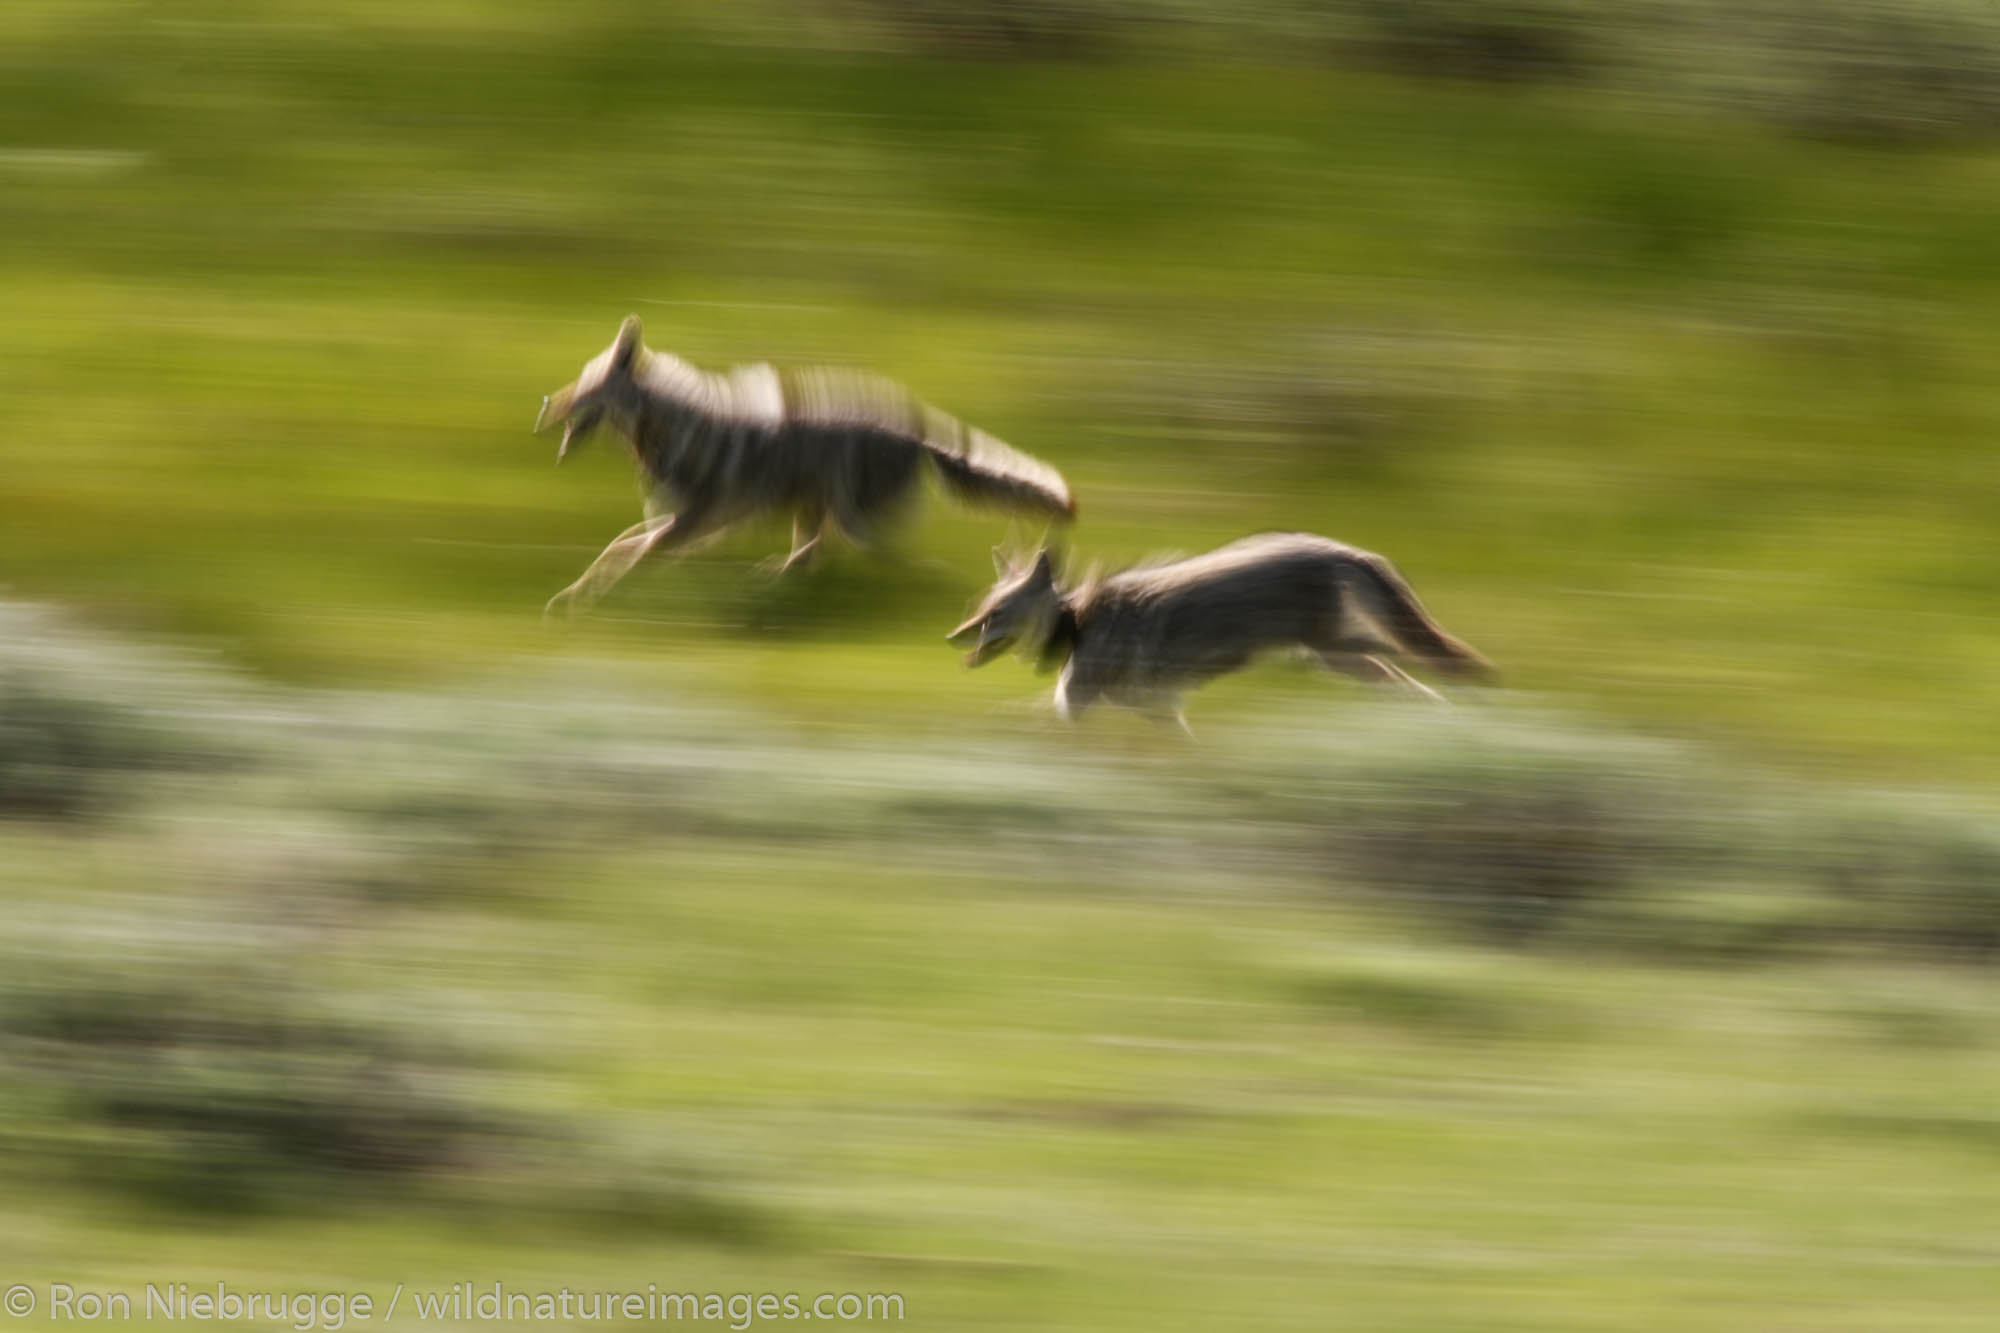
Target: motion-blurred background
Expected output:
[359,929]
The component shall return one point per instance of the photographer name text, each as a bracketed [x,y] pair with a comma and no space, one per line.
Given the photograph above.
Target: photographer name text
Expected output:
[310,1311]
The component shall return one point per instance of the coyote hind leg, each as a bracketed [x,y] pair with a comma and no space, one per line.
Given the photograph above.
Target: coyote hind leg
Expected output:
[808,527]
[1368,667]
[652,536]
[1167,712]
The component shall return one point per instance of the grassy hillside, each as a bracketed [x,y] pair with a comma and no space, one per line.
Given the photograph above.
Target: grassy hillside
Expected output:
[357,929]
[1487,1023]
[1678,417]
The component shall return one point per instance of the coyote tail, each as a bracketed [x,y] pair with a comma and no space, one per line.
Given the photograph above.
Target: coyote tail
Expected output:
[1414,630]
[979,470]
[974,467]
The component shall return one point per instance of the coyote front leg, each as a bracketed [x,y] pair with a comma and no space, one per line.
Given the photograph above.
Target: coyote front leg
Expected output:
[654,535]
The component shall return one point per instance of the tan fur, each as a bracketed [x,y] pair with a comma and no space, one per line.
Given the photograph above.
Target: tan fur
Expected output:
[1141,637]
[826,447]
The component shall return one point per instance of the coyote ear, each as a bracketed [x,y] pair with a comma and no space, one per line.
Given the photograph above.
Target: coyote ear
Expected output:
[1044,568]
[626,345]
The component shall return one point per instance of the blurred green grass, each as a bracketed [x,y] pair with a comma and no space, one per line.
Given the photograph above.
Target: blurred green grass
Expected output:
[857,974]
[1667,412]
[634,988]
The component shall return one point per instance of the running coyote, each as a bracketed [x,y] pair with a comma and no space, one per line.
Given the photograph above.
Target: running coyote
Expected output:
[823,446]
[1141,637]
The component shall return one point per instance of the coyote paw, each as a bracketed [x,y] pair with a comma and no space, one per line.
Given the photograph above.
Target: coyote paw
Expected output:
[777,566]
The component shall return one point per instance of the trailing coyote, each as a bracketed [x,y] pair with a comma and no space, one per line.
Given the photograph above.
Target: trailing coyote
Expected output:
[823,446]
[1141,637]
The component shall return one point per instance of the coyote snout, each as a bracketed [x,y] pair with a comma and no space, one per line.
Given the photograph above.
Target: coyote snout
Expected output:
[607,383]
[555,408]
[987,643]
[1022,608]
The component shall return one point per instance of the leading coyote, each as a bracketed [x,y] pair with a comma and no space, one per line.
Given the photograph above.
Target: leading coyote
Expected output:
[819,445]
[1141,637]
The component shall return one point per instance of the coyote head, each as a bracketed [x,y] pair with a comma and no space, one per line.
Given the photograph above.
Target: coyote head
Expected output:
[605,386]
[1022,608]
